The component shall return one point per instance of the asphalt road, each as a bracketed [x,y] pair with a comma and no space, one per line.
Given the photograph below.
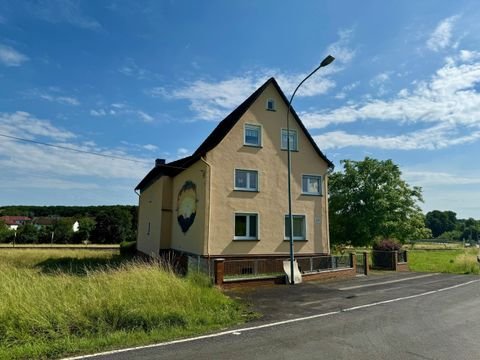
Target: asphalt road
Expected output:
[398,316]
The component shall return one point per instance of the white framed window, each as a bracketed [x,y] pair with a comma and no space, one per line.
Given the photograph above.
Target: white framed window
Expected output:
[246,226]
[312,184]
[270,106]
[293,139]
[299,227]
[253,135]
[246,180]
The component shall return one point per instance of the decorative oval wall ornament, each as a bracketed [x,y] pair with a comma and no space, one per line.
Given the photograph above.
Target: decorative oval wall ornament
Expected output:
[187,205]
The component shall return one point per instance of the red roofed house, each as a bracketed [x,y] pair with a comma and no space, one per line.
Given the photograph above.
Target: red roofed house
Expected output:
[13,222]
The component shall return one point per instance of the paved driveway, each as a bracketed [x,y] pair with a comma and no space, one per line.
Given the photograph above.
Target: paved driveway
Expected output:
[395,317]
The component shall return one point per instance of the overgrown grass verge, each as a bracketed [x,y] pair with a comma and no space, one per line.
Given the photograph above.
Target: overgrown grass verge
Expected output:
[445,261]
[57,303]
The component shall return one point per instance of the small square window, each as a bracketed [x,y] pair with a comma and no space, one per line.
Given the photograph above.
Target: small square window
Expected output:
[246,180]
[312,185]
[246,227]
[253,135]
[299,227]
[293,140]
[271,105]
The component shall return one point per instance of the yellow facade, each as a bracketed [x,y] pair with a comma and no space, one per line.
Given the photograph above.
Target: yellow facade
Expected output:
[271,201]
[207,187]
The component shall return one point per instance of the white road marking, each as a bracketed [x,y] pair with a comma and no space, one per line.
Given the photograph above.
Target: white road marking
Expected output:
[278,323]
[387,282]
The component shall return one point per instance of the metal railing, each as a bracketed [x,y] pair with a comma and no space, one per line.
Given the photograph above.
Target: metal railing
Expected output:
[274,267]
[402,256]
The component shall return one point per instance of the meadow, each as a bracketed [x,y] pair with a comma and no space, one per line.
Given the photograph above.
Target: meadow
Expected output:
[55,303]
[454,261]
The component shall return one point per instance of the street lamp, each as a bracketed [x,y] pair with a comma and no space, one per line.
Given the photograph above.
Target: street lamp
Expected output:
[328,60]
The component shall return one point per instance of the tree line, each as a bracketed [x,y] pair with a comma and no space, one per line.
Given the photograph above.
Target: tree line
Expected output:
[369,201]
[445,225]
[97,224]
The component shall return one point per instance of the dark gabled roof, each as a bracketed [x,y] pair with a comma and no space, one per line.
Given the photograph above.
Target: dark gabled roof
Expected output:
[170,169]
[217,135]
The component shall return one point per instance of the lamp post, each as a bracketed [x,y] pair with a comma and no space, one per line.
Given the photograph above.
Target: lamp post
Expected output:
[328,60]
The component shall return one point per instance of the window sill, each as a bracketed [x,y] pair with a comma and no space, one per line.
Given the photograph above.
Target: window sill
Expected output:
[311,194]
[271,110]
[242,239]
[253,146]
[246,190]
[296,240]
[291,150]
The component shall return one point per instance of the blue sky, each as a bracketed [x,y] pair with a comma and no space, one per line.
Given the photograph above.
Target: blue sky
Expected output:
[151,79]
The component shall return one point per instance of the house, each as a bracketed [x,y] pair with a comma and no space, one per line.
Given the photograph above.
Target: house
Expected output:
[13,222]
[229,198]
[45,221]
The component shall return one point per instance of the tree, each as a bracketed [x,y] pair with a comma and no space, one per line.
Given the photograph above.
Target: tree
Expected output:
[369,200]
[114,226]
[440,221]
[85,229]
[27,234]
[6,235]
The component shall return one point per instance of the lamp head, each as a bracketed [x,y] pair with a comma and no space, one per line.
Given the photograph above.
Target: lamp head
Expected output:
[328,60]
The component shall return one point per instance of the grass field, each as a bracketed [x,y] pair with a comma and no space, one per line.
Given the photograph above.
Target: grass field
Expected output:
[61,302]
[458,261]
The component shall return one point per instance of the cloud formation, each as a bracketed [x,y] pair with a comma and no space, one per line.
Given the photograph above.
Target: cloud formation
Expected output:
[62,11]
[441,37]
[11,57]
[58,164]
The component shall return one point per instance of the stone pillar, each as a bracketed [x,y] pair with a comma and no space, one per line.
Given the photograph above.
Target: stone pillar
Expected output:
[365,262]
[395,260]
[353,261]
[219,271]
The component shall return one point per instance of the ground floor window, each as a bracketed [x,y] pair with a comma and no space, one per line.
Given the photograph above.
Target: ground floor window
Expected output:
[299,227]
[246,226]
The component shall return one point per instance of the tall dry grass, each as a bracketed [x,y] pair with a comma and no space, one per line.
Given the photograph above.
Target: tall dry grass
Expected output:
[50,307]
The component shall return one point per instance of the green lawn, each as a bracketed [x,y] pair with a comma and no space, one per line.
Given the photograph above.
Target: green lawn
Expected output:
[55,303]
[459,261]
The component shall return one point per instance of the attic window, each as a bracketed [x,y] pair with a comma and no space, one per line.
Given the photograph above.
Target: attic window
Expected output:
[253,135]
[270,105]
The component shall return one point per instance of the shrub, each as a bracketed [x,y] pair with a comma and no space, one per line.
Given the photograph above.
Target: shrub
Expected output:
[128,248]
[386,245]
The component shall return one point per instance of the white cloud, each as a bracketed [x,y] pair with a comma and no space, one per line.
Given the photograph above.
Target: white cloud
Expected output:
[26,160]
[214,100]
[341,49]
[430,178]
[181,152]
[23,124]
[441,37]
[144,116]
[449,97]
[437,137]
[99,112]
[66,100]
[11,57]
[468,56]
[62,11]
[150,147]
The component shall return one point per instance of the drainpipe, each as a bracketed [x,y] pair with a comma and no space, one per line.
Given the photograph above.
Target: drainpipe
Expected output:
[207,231]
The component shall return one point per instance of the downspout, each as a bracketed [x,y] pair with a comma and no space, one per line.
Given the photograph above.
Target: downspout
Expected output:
[209,211]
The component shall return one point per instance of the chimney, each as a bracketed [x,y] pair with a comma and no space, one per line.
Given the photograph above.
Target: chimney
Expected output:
[159,162]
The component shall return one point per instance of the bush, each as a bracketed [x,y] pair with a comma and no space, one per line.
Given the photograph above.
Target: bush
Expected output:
[386,245]
[128,248]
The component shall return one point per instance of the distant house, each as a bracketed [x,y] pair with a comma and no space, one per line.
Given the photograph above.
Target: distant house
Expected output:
[13,222]
[44,221]
[229,198]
